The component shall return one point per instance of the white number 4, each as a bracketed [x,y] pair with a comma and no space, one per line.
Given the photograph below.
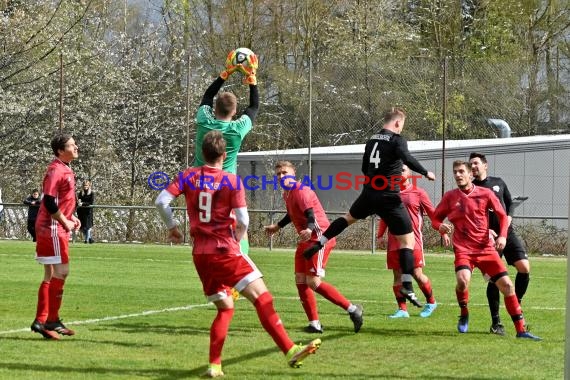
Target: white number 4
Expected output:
[375,156]
[205,206]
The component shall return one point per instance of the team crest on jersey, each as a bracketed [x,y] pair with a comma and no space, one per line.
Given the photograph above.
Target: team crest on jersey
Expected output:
[496,188]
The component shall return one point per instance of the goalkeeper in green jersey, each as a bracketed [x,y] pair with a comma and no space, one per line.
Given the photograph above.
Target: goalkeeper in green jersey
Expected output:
[220,116]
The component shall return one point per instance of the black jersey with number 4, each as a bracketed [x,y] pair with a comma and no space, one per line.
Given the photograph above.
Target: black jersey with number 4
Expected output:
[384,155]
[502,192]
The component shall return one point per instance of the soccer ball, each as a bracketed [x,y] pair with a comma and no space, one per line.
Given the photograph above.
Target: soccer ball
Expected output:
[240,56]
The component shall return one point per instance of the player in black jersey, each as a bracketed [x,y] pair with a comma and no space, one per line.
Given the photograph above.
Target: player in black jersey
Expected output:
[384,155]
[514,251]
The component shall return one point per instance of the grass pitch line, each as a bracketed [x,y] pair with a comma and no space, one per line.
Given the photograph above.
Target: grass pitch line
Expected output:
[116,317]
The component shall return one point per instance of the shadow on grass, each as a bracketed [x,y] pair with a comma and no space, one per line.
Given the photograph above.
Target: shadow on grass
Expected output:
[75,339]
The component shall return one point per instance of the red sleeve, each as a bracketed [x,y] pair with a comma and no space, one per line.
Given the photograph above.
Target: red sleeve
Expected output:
[441,210]
[429,209]
[238,195]
[498,209]
[50,183]
[382,228]
[176,187]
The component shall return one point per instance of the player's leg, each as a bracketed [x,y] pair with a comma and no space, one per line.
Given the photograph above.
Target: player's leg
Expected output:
[218,333]
[57,283]
[42,307]
[515,254]
[463,278]
[491,265]
[360,209]
[309,303]
[258,294]
[393,262]
[424,284]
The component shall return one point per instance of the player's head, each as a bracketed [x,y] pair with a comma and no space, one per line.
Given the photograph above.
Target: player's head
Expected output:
[285,172]
[64,147]
[214,147]
[462,174]
[226,105]
[35,193]
[479,165]
[86,184]
[394,119]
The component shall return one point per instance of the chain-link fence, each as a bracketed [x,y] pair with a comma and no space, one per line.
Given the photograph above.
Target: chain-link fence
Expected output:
[136,224]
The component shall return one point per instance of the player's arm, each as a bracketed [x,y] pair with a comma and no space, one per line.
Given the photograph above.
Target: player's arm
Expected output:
[28,201]
[497,207]
[162,204]
[305,234]
[382,227]
[55,212]
[253,107]
[508,200]
[405,155]
[273,228]
[211,91]
[242,222]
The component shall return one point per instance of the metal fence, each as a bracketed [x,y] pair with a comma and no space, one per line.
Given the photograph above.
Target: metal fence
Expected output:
[128,224]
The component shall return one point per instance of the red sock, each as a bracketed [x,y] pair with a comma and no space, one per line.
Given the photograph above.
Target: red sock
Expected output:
[515,311]
[271,322]
[43,302]
[218,333]
[308,301]
[426,289]
[399,298]
[332,294]
[55,298]
[462,300]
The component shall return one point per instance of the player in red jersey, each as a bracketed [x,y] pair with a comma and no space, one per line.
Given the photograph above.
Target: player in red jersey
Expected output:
[306,212]
[466,207]
[417,202]
[211,194]
[54,223]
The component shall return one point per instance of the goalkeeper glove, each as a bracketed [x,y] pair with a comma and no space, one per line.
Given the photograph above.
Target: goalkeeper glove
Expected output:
[230,67]
[250,69]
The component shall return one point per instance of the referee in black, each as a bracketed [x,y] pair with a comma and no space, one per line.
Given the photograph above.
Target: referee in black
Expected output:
[384,155]
[514,250]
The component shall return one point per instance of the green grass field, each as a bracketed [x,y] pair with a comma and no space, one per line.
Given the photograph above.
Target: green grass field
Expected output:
[139,313]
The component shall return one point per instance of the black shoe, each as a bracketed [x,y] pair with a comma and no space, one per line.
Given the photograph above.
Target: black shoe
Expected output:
[313,330]
[59,328]
[497,328]
[91,241]
[410,296]
[312,250]
[40,328]
[356,317]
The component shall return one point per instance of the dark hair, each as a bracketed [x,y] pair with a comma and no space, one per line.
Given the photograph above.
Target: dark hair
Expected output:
[393,113]
[478,155]
[457,163]
[58,142]
[213,146]
[35,191]
[226,102]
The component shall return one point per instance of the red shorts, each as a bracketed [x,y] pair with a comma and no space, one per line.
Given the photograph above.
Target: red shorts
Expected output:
[317,264]
[52,249]
[393,259]
[488,262]
[221,272]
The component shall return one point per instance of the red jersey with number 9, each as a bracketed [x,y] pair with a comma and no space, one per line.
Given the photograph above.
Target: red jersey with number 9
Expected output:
[211,194]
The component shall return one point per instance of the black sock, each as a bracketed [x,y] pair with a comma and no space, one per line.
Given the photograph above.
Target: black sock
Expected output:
[336,227]
[521,284]
[406,260]
[493,297]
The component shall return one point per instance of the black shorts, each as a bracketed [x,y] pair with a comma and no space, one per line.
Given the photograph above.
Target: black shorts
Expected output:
[387,206]
[514,249]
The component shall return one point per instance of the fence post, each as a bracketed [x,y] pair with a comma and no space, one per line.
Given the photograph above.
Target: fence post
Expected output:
[374,228]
